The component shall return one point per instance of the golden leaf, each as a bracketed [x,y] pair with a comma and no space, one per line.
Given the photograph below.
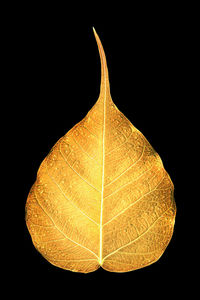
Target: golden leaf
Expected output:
[102,196]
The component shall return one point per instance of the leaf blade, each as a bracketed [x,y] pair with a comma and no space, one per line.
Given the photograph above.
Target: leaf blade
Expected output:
[102,196]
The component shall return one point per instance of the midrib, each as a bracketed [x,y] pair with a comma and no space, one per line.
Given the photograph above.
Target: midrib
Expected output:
[102,187]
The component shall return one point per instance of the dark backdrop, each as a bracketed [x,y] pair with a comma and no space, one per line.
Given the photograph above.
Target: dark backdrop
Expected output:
[57,78]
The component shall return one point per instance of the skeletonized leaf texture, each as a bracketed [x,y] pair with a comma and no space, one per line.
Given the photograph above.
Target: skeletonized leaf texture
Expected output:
[102,196]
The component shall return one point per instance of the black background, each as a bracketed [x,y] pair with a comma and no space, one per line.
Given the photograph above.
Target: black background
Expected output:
[56,72]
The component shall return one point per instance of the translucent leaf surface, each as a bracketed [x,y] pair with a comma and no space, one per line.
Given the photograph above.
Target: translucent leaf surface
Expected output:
[102,196]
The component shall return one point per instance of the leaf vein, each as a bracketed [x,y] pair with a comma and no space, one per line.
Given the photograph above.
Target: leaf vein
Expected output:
[121,212]
[113,252]
[89,131]
[120,144]
[60,230]
[85,151]
[75,260]
[135,162]
[130,182]
[78,173]
[70,200]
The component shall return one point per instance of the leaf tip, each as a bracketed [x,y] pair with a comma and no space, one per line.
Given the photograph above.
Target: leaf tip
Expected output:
[95,33]
[104,70]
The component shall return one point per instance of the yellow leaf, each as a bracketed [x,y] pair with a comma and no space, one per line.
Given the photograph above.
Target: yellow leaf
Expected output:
[102,196]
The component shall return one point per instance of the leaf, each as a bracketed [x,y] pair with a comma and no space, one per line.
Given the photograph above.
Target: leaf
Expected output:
[102,196]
